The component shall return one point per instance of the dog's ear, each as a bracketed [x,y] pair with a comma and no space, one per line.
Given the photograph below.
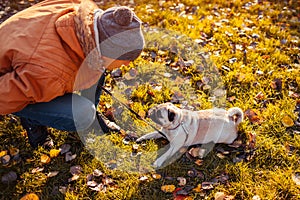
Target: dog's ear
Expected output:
[171,115]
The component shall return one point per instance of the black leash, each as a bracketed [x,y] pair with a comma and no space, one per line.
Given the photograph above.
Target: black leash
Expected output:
[128,108]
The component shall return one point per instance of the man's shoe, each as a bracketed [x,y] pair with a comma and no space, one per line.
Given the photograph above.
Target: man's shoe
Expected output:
[37,135]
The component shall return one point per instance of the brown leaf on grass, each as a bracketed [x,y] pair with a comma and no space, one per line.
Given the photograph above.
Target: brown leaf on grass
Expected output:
[241,77]
[181,194]
[256,197]
[3,153]
[108,181]
[199,162]
[64,148]
[14,151]
[231,99]
[207,185]
[260,95]
[30,196]
[168,188]
[194,152]
[45,159]
[252,116]
[73,178]
[198,188]
[294,95]
[97,173]
[75,170]
[252,140]
[62,189]
[220,196]
[276,84]
[52,174]
[156,176]
[5,160]
[38,169]
[69,156]
[287,121]
[54,153]
[296,178]
[143,178]
[92,183]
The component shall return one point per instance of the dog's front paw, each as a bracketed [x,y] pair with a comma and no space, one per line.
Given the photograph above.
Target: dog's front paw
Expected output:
[140,139]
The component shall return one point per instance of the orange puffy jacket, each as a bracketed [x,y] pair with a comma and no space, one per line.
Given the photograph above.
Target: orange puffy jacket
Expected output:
[39,54]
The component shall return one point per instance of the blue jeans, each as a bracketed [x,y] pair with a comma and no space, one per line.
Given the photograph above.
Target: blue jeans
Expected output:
[69,112]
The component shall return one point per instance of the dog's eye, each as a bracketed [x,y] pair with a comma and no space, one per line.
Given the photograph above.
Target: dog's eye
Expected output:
[171,115]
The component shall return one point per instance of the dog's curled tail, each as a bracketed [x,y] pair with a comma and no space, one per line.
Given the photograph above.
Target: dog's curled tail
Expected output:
[236,114]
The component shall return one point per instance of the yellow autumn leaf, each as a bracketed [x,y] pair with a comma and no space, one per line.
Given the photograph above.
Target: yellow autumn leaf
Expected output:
[287,121]
[3,153]
[54,153]
[45,159]
[168,188]
[198,188]
[13,151]
[30,196]
[156,176]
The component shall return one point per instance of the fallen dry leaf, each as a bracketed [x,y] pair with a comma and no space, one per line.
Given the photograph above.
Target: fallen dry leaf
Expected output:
[256,197]
[73,178]
[62,189]
[54,153]
[156,176]
[99,187]
[168,188]
[13,151]
[207,185]
[38,169]
[97,173]
[5,159]
[296,178]
[69,156]
[45,159]
[252,116]
[143,178]
[252,140]
[198,188]
[75,170]
[194,151]
[92,183]
[287,121]
[52,174]
[220,196]
[179,194]
[3,153]
[260,95]
[64,148]
[199,162]
[30,196]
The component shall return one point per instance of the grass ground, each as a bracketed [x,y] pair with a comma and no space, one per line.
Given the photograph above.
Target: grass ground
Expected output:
[255,46]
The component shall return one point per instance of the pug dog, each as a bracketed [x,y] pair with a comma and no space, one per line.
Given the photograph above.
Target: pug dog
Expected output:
[183,128]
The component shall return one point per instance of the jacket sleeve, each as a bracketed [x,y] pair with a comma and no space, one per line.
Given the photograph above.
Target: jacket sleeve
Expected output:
[28,84]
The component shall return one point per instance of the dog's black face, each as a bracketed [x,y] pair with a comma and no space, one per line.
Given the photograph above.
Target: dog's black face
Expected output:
[164,114]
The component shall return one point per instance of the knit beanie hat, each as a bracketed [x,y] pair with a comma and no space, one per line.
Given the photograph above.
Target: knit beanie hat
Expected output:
[120,34]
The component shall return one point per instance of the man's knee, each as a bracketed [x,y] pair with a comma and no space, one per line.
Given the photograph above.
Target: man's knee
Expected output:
[84,113]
